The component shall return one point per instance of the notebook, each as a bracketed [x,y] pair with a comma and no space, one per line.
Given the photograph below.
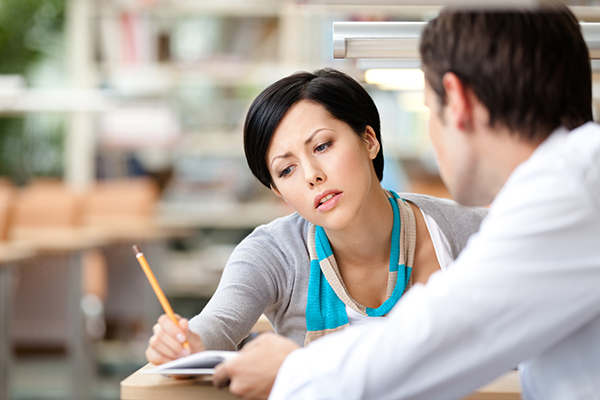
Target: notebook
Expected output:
[202,363]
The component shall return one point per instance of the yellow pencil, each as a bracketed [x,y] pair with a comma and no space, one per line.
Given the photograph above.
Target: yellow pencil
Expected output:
[159,293]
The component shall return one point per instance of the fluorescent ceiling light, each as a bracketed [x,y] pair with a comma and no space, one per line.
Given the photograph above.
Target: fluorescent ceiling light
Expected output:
[476,4]
[377,39]
[400,40]
[396,79]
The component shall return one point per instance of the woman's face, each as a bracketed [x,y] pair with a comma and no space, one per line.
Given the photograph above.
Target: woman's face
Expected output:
[320,166]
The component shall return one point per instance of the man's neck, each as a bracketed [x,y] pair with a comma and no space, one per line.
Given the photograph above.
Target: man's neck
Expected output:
[502,152]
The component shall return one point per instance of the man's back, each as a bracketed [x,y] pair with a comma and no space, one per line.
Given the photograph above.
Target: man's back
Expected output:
[569,165]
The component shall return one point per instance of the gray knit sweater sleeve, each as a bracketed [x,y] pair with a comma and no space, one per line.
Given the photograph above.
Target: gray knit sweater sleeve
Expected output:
[259,277]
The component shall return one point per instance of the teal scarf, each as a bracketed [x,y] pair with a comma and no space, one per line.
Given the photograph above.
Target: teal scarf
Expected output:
[327,294]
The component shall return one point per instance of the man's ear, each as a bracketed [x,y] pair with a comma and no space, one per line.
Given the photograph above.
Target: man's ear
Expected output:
[371,141]
[459,104]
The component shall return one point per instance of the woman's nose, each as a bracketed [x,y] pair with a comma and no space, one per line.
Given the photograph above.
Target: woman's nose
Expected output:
[315,181]
[314,175]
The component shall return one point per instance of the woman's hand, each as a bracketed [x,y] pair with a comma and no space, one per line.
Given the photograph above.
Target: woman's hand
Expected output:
[166,344]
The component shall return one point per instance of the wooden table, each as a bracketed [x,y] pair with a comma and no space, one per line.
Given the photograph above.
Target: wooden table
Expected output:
[140,230]
[9,255]
[140,386]
[155,386]
[506,387]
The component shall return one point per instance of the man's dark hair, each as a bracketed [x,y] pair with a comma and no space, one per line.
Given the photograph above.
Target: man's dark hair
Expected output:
[529,68]
[343,97]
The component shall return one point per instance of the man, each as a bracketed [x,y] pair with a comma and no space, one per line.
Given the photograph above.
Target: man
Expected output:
[510,101]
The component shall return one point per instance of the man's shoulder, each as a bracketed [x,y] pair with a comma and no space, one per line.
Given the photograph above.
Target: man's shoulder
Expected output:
[586,138]
[575,154]
[581,144]
[564,168]
[584,158]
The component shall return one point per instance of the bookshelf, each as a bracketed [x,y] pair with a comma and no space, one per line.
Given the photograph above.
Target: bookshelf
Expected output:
[151,52]
[25,101]
[203,63]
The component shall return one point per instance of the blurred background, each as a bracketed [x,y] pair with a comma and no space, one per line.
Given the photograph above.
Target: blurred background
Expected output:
[121,124]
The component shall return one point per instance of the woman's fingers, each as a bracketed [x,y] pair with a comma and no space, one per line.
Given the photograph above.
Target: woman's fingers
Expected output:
[193,338]
[166,343]
[170,335]
[155,357]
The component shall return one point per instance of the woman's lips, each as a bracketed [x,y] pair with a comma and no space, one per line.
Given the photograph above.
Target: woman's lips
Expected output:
[319,197]
[330,203]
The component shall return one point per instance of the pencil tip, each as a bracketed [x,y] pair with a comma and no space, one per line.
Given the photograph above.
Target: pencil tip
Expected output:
[136,249]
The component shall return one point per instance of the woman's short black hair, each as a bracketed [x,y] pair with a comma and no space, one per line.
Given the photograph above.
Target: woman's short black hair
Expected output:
[343,97]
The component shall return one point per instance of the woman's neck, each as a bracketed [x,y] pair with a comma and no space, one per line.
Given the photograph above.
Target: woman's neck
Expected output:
[367,240]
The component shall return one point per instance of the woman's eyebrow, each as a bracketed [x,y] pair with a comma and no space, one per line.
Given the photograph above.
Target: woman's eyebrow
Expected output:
[288,154]
[310,138]
[307,141]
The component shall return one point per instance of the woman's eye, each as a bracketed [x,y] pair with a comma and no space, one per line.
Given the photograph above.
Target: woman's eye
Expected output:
[322,147]
[285,172]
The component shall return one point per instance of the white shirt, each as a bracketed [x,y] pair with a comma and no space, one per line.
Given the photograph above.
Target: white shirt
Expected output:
[443,254]
[525,289]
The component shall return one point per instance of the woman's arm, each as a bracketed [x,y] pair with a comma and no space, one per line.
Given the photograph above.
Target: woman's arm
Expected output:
[258,277]
[251,281]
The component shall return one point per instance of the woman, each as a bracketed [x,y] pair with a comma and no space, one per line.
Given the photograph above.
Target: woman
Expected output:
[351,249]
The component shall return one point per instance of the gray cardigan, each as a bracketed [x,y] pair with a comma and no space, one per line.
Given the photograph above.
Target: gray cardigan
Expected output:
[268,273]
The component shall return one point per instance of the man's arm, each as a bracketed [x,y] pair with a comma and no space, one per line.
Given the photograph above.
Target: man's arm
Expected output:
[526,282]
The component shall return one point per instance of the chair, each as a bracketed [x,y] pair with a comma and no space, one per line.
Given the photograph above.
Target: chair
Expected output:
[120,203]
[45,205]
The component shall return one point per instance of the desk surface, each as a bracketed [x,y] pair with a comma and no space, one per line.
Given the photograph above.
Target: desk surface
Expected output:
[134,232]
[154,387]
[506,387]
[10,252]
[86,237]
[56,239]
[157,387]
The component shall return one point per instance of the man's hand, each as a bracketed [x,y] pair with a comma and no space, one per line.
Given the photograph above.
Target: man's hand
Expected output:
[253,371]
[167,342]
